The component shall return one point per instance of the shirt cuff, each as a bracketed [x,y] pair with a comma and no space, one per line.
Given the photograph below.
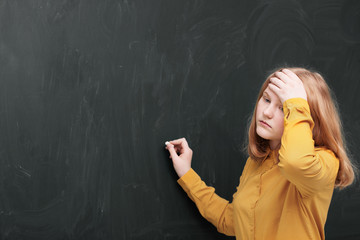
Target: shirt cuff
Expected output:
[188,180]
[296,103]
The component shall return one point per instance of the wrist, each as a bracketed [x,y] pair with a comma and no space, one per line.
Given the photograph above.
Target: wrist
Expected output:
[182,172]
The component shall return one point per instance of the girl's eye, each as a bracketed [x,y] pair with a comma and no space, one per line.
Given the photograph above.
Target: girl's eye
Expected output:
[281,108]
[266,99]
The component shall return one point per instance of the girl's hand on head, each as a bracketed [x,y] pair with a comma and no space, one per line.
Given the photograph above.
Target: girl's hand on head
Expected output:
[181,155]
[286,84]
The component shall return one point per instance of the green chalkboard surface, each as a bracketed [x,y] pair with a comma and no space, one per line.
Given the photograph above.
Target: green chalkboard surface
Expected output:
[90,91]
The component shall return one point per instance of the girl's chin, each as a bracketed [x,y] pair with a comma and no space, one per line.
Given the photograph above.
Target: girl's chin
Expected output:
[262,134]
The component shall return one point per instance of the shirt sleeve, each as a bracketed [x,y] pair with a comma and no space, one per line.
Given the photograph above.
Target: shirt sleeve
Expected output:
[309,169]
[215,209]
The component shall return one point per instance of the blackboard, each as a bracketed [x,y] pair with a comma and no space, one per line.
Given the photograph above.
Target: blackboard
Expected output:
[91,90]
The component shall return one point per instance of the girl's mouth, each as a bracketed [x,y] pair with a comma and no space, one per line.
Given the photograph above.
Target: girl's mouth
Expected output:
[265,123]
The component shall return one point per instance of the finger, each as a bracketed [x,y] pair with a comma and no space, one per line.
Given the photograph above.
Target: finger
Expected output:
[178,148]
[283,77]
[275,89]
[291,74]
[172,151]
[181,141]
[277,82]
[168,145]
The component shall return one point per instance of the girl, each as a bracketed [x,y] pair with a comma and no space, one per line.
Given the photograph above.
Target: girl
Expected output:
[296,158]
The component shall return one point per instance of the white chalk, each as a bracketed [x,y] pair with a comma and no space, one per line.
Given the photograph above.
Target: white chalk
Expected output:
[166,143]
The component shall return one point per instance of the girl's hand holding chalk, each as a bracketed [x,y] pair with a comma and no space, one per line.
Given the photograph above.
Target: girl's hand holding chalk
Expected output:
[181,155]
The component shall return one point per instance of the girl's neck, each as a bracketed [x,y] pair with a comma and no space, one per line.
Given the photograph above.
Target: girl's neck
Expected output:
[274,144]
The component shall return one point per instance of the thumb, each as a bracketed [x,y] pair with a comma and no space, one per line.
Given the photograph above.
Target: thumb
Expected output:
[171,150]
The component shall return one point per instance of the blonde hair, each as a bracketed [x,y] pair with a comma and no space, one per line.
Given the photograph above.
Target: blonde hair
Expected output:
[327,132]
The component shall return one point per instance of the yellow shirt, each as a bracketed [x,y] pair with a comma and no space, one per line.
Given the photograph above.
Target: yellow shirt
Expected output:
[287,198]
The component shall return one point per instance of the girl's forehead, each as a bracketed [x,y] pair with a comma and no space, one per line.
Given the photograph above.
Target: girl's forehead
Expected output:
[268,92]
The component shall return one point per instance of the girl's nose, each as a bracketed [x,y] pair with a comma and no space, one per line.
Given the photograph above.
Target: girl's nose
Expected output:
[268,111]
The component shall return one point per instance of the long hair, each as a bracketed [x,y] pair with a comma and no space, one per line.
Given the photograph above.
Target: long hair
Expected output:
[327,131]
